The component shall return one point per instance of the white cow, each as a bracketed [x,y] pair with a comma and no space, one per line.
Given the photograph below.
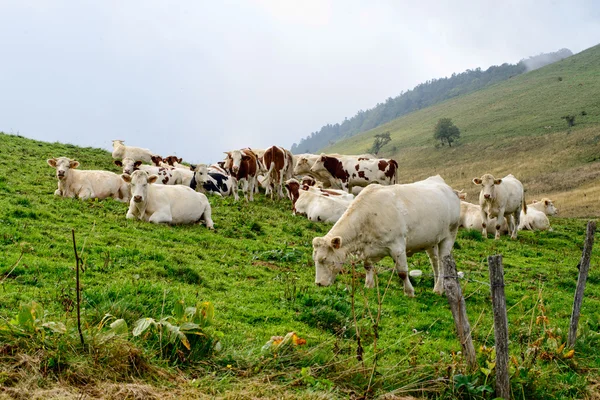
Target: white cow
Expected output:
[536,218]
[120,151]
[175,204]
[87,184]
[321,206]
[395,221]
[470,218]
[501,198]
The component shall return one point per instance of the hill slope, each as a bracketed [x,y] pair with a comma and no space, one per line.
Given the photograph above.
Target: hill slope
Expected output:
[511,127]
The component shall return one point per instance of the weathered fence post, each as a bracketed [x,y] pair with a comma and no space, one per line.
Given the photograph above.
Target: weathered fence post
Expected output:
[459,310]
[584,267]
[500,325]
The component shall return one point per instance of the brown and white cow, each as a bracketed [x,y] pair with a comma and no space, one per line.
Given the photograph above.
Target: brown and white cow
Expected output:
[279,164]
[166,174]
[242,165]
[175,162]
[303,164]
[293,189]
[500,199]
[87,184]
[351,171]
[396,221]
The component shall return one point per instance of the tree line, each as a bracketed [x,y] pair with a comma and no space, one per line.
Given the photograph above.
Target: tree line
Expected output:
[423,95]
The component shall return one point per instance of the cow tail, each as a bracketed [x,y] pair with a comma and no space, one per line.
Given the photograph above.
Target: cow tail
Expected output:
[396,173]
[524,206]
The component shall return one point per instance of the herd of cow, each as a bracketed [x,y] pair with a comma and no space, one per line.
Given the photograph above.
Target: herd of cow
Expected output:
[374,216]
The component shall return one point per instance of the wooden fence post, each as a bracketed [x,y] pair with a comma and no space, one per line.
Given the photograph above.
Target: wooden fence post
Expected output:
[459,310]
[500,325]
[584,267]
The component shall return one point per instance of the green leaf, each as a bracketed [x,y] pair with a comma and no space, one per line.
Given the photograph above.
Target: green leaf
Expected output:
[119,327]
[188,326]
[179,309]
[141,325]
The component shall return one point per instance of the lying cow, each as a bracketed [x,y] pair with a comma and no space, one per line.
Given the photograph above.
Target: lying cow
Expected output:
[536,218]
[175,162]
[293,189]
[470,218]
[320,206]
[395,221]
[175,204]
[121,151]
[349,171]
[87,184]
[207,180]
[242,165]
[500,199]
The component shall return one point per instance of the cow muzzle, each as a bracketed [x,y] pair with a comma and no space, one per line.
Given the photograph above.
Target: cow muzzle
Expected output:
[487,195]
[137,199]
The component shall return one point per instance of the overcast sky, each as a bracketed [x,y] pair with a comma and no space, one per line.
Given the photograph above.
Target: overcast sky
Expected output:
[196,78]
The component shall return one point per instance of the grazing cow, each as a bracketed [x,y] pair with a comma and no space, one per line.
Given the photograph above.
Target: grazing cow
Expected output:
[536,218]
[242,165]
[351,171]
[279,164]
[87,184]
[498,199]
[120,151]
[321,206]
[395,221]
[207,180]
[176,204]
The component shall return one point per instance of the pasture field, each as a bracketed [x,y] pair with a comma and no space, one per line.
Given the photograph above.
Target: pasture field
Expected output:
[256,270]
[516,127]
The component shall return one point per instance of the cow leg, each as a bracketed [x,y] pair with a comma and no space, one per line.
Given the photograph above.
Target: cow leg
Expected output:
[484,222]
[499,221]
[370,275]
[399,256]
[252,183]
[517,221]
[207,216]
[162,215]
[438,281]
[234,189]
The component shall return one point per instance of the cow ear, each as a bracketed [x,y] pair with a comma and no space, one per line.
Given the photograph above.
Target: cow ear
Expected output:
[477,181]
[118,163]
[336,242]
[51,162]
[193,167]
[546,202]
[126,178]
[180,160]
[74,164]
[137,164]
[497,181]
[152,178]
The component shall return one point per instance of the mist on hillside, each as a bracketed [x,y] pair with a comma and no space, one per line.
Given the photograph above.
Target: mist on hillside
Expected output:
[543,59]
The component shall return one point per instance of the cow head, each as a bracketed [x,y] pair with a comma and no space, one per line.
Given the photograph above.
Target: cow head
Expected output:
[319,165]
[302,166]
[292,187]
[157,160]
[549,208]
[171,160]
[117,143]
[487,182]
[329,257]
[62,165]
[309,181]
[128,165]
[234,159]
[201,173]
[139,182]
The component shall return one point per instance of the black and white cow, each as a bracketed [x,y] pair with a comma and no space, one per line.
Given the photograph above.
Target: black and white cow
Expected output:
[211,180]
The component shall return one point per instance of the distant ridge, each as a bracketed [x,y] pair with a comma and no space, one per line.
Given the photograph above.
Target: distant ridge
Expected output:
[423,95]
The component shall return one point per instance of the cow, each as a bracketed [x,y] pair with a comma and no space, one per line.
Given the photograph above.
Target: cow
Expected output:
[498,199]
[242,165]
[279,164]
[293,188]
[87,184]
[350,171]
[175,204]
[396,221]
[207,180]
[175,162]
[536,218]
[321,206]
[470,218]
[120,151]
[166,175]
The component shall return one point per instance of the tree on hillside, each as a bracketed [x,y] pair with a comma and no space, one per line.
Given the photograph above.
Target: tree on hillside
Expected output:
[446,131]
[381,139]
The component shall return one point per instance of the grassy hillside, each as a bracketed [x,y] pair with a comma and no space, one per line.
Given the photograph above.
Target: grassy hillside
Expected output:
[256,270]
[512,127]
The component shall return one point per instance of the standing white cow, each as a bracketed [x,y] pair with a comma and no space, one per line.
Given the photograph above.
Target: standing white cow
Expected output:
[395,221]
[501,198]
[175,204]
[87,184]
[121,151]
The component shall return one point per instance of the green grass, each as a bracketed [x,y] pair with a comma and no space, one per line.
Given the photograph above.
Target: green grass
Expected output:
[256,269]
[511,127]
